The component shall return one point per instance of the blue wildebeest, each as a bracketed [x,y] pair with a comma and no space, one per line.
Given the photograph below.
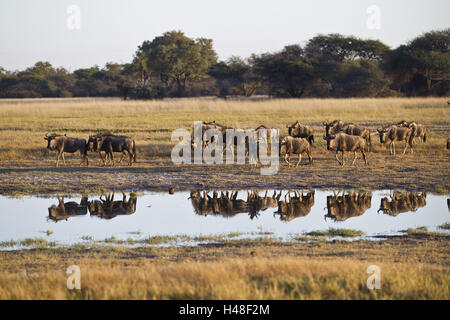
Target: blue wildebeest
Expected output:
[338,126]
[63,143]
[110,143]
[295,146]
[298,130]
[394,133]
[418,130]
[345,142]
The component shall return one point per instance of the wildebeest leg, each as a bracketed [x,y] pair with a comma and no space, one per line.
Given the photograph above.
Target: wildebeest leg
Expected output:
[310,157]
[338,158]
[364,156]
[101,157]
[406,147]
[58,157]
[343,157]
[123,155]
[131,158]
[354,158]
[285,158]
[289,159]
[391,147]
[64,160]
[299,160]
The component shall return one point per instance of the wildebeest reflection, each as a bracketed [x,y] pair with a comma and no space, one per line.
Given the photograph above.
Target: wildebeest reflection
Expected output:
[64,210]
[352,204]
[227,203]
[295,206]
[108,208]
[403,202]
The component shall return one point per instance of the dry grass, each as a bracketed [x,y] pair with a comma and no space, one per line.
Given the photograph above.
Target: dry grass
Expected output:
[23,122]
[26,166]
[411,268]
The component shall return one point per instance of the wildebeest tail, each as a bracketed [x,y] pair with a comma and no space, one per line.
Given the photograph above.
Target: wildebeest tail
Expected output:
[134,151]
[311,139]
[424,137]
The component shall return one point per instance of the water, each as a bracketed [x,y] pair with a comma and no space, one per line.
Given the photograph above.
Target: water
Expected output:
[185,213]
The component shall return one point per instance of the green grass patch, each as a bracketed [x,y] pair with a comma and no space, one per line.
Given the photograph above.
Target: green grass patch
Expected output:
[445,226]
[346,233]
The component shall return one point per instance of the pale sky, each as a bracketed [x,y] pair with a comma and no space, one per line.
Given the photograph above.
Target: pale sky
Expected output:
[111,30]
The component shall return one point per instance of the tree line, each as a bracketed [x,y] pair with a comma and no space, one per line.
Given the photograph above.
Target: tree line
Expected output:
[174,65]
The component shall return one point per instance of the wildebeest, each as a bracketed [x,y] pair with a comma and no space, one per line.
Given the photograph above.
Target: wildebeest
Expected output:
[295,206]
[62,143]
[338,126]
[345,142]
[108,208]
[110,143]
[352,204]
[298,130]
[295,146]
[418,130]
[394,133]
[334,127]
[402,202]
[64,210]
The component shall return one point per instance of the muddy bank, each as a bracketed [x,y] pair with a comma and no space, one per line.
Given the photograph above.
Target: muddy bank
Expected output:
[410,172]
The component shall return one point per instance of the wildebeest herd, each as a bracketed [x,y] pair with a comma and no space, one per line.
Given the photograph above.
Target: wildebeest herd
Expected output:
[103,142]
[296,203]
[339,136]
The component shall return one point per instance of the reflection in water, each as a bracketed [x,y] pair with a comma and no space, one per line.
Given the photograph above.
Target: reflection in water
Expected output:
[64,210]
[289,204]
[298,205]
[228,204]
[108,208]
[283,213]
[352,204]
[402,202]
[103,208]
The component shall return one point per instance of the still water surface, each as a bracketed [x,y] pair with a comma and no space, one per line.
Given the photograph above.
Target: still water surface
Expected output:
[284,214]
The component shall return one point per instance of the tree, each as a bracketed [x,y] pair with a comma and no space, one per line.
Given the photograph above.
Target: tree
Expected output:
[338,48]
[177,59]
[287,73]
[236,75]
[426,57]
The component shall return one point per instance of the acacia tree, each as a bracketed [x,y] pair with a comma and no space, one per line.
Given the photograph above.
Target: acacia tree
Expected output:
[426,57]
[287,73]
[177,59]
[236,75]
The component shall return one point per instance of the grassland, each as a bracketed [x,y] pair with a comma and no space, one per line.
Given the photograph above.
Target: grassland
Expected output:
[412,267]
[26,166]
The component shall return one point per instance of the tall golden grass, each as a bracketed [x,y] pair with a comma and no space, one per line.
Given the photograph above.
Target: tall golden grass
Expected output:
[23,122]
[251,278]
